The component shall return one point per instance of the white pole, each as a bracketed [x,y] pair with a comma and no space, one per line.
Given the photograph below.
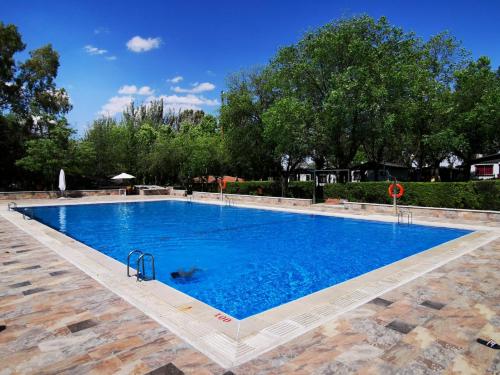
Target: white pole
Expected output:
[394,195]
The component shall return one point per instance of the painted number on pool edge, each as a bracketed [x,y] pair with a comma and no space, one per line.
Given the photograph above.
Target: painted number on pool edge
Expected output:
[223,317]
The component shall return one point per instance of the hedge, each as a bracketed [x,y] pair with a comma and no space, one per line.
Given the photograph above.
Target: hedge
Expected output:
[481,195]
[296,189]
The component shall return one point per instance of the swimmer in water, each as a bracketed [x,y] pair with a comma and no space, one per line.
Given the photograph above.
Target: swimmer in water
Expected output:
[184,274]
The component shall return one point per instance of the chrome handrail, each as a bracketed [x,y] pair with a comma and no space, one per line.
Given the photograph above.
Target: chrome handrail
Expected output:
[11,205]
[25,213]
[402,213]
[142,275]
[128,261]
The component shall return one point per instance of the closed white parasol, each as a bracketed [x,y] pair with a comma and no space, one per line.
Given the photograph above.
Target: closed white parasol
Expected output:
[62,181]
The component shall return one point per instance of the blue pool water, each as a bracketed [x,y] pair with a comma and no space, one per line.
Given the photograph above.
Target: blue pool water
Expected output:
[251,260]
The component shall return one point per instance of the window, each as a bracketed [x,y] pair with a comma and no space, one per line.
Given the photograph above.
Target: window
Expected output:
[484,170]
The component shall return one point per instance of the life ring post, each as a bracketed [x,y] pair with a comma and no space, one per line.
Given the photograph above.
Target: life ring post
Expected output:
[396,195]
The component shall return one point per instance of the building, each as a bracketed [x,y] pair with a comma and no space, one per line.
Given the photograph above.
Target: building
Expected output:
[323,176]
[486,167]
[379,172]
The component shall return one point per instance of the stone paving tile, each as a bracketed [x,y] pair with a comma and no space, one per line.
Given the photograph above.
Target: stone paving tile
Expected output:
[73,325]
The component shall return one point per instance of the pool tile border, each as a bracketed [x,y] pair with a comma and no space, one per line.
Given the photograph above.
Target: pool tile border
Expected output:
[231,342]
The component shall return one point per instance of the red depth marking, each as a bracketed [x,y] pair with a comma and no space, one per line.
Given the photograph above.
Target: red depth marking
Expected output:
[222,317]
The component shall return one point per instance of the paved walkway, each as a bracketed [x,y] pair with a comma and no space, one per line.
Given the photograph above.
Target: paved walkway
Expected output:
[59,320]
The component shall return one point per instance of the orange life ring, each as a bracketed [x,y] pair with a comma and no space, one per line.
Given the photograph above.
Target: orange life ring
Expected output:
[223,184]
[400,193]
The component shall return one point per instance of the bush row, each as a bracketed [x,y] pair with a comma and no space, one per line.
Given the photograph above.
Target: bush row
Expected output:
[296,189]
[481,195]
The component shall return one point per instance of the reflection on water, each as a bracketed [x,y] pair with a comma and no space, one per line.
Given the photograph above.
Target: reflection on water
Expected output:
[62,219]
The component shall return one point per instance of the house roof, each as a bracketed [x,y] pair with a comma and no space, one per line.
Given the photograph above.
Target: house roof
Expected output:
[493,158]
[370,165]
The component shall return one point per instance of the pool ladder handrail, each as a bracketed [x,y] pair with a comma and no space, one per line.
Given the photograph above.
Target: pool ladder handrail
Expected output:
[405,212]
[11,206]
[140,261]
[26,211]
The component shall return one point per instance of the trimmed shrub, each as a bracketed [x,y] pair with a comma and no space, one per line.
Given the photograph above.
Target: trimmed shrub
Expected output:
[482,195]
[296,189]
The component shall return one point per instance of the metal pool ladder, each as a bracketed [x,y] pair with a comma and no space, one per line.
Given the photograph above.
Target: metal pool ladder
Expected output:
[141,276]
[11,206]
[28,213]
[402,213]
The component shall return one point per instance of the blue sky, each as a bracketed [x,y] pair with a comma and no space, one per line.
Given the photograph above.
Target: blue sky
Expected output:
[115,51]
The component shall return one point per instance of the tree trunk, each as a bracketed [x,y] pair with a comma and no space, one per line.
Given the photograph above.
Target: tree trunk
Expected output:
[284,183]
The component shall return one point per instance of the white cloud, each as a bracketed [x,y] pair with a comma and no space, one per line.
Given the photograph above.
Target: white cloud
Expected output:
[128,90]
[180,102]
[145,90]
[111,58]
[175,79]
[115,105]
[133,90]
[197,88]
[138,44]
[101,30]
[91,50]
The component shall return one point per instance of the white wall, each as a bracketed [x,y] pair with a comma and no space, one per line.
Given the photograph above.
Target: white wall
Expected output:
[496,171]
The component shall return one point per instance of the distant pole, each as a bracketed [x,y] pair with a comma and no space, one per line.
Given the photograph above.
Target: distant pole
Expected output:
[222,103]
[394,195]
[314,186]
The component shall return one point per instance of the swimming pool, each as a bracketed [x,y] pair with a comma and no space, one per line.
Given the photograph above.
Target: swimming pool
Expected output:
[250,260]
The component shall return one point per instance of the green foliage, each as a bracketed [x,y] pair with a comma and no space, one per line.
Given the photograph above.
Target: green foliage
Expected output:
[10,44]
[32,113]
[157,147]
[476,115]
[354,90]
[246,99]
[45,156]
[483,195]
[286,129]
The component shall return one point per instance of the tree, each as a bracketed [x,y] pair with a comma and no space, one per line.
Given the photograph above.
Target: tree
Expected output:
[31,105]
[287,130]
[45,156]
[476,117]
[242,128]
[354,75]
[10,44]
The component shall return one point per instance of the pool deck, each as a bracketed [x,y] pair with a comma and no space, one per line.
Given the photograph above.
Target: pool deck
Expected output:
[59,319]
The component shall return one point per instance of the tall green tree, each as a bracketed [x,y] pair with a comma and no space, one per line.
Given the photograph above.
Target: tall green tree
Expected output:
[476,111]
[32,107]
[287,129]
[247,97]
